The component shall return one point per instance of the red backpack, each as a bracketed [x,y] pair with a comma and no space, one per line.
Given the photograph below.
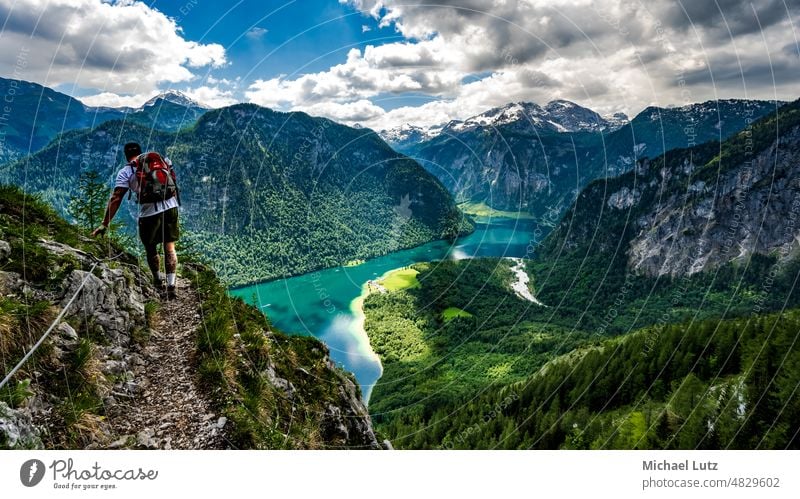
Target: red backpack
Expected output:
[155,177]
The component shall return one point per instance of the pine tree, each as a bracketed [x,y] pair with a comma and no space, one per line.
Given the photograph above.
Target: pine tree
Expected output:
[89,205]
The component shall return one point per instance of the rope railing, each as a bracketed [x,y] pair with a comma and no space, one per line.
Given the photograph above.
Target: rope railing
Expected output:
[49,329]
[97,261]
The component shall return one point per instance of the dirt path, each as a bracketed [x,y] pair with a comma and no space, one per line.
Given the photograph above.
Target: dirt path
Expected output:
[168,411]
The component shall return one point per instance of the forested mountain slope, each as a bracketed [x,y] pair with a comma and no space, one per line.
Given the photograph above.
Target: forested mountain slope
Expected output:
[267,194]
[524,157]
[34,115]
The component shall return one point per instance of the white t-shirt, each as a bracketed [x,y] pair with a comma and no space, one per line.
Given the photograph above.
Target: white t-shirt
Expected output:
[127,180]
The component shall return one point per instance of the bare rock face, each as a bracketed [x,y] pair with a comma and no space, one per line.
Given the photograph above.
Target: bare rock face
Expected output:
[347,421]
[5,250]
[115,303]
[755,208]
[624,198]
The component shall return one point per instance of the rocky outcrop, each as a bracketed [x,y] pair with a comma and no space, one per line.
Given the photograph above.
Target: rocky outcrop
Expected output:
[108,304]
[623,198]
[17,430]
[346,419]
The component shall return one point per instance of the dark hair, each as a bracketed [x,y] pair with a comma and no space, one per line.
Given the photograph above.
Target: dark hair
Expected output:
[132,149]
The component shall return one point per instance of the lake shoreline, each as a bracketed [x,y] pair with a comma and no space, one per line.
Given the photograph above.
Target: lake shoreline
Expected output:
[360,318]
[329,303]
[236,287]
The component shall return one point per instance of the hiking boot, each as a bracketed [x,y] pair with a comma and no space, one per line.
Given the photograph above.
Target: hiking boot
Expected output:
[161,287]
[171,293]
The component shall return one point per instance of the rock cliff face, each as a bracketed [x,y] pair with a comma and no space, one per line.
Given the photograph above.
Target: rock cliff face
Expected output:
[97,364]
[692,210]
[754,207]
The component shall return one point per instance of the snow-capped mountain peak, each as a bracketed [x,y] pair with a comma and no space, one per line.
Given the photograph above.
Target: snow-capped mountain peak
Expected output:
[617,120]
[557,116]
[408,134]
[176,97]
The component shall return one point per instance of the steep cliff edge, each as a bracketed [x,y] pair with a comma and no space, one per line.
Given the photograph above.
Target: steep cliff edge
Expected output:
[121,370]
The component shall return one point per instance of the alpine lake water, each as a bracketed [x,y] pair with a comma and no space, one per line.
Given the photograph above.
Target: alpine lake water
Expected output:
[326,303]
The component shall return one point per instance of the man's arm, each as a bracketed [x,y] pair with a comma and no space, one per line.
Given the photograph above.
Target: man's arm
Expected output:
[113,205]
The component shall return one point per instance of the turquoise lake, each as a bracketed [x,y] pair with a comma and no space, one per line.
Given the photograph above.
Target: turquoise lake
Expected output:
[321,303]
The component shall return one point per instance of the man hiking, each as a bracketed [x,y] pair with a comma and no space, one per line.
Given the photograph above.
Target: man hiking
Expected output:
[152,179]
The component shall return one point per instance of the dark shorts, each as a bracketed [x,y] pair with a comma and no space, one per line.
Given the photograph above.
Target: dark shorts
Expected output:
[159,228]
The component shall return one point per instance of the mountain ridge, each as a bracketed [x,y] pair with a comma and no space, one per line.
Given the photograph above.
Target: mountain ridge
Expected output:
[687,198]
[34,115]
[520,166]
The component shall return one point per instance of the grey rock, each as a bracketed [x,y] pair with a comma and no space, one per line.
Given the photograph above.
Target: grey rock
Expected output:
[121,442]
[66,331]
[11,282]
[17,430]
[754,209]
[114,367]
[624,198]
[348,423]
[280,383]
[5,250]
[145,439]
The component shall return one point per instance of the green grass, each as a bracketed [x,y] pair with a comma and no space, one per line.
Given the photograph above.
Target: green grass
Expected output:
[405,278]
[451,313]
[483,210]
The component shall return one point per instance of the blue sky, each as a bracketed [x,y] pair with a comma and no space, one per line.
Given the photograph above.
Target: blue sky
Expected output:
[301,36]
[384,63]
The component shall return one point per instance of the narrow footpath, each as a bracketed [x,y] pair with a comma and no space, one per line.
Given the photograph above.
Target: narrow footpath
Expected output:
[168,410]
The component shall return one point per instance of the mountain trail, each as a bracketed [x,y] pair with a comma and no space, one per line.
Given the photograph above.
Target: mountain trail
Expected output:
[169,411]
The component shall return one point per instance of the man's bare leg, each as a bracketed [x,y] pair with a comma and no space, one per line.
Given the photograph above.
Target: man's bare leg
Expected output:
[170,266]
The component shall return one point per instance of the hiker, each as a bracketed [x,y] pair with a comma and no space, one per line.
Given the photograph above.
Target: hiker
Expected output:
[158,210]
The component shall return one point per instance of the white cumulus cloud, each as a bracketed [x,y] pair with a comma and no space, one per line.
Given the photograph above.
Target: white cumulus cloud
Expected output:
[123,47]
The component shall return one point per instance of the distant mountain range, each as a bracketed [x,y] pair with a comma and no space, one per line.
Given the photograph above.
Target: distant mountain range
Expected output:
[266,194]
[34,115]
[536,159]
[556,116]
